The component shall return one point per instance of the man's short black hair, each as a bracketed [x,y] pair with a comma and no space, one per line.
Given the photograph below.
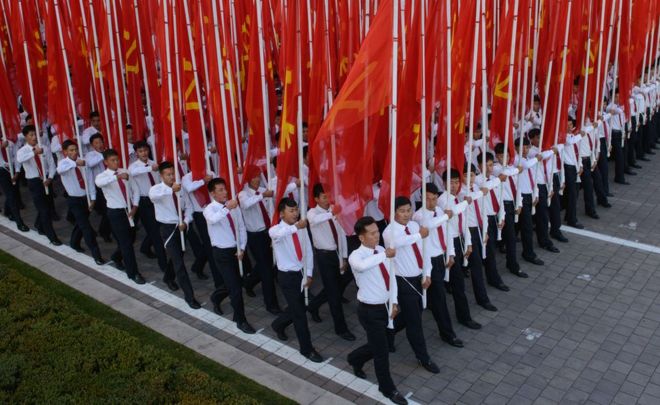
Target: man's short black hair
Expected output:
[401,201]
[140,144]
[361,225]
[533,133]
[286,202]
[472,168]
[129,126]
[214,182]
[165,164]
[432,188]
[572,121]
[108,153]
[453,173]
[537,99]
[525,141]
[275,162]
[305,150]
[66,144]
[94,114]
[489,157]
[499,148]
[29,128]
[95,137]
[317,190]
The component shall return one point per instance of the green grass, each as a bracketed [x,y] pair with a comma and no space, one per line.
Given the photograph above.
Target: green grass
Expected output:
[60,346]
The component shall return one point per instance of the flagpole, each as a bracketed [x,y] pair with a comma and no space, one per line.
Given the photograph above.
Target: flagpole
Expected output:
[484,105]
[121,61]
[448,117]
[601,27]
[264,94]
[616,56]
[83,169]
[225,124]
[422,121]
[89,55]
[32,98]
[537,17]
[603,83]
[3,131]
[521,109]
[239,86]
[586,85]
[329,100]
[106,111]
[177,58]
[393,140]
[657,49]
[144,76]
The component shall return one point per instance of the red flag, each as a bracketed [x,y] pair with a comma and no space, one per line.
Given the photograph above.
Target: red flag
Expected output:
[342,154]
[133,68]
[8,109]
[79,57]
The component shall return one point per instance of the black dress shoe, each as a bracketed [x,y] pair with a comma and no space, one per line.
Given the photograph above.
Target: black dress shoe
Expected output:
[630,173]
[315,315]
[314,356]
[201,275]
[519,273]
[217,308]
[559,237]
[636,166]
[501,287]
[274,311]
[78,249]
[610,195]
[194,304]
[430,366]
[605,204]
[551,248]
[246,328]
[172,285]
[625,183]
[249,292]
[651,152]
[100,261]
[139,279]
[347,336]
[345,300]
[280,334]
[397,398]
[56,242]
[358,372]
[593,215]
[489,307]
[119,265]
[453,341]
[471,324]
[576,225]
[107,238]
[148,253]
[534,260]
[23,228]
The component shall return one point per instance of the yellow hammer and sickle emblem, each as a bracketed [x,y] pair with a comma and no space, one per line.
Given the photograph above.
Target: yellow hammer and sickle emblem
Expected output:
[288,128]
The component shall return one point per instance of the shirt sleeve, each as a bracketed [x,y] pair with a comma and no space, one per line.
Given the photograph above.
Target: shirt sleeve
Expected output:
[361,264]
[24,154]
[64,165]
[248,201]
[105,178]
[309,257]
[215,214]
[242,232]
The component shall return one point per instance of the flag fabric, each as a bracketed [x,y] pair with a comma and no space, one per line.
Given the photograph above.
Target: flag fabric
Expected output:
[133,72]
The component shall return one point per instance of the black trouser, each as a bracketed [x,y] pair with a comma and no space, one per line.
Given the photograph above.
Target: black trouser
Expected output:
[44,221]
[570,193]
[82,228]
[171,237]
[101,208]
[527,227]
[201,251]
[11,201]
[228,264]
[603,165]
[599,187]
[374,319]
[328,264]
[541,217]
[124,235]
[509,236]
[475,262]
[295,312]
[410,316]
[617,151]
[258,243]
[437,300]
[153,230]
[457,284]
[492,275]
[634,145]
[588,186]
[555,206]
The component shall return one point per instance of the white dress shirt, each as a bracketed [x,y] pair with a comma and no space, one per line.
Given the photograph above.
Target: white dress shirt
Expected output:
[526,184]
[284,249]
[512,178]
[365,263]
[406,264]
[95,165]
[109,183]
[587,143]
[254,207]
[86,134]
[569,156]
[140,182]
[322,236]
[475,194]
[10,153]
[163,197]
[66,168]
[436,222]
[543,172]
[447,201]
[220,228]
[617,117]
[492,199]
[26,157]
[535,118]
[192,189]
[371,209]
[290,190]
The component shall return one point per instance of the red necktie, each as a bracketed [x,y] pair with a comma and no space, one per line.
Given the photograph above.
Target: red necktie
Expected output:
[418,255]
[4,154]
[441,235]
[296,244]
[122,187]
[514,191]
[264,213]
[176,203]
[577,151]
[531,179]
[478,212]
[151,177]
[460,218]
[493,200]
[81,181]
[291,196]
[333,229]
[231,224]
[40,168]
[384,273]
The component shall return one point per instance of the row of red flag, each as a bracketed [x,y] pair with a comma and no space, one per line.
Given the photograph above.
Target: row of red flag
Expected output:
[351,70]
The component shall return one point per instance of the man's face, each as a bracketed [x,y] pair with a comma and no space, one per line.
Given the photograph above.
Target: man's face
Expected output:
[371,236]
[289,215]
[219,193]
[525,150]
[98,145]
[72,152]
[143,154]
[112,162]
[96,122]
[431,200]
[129,135]
[454,186]
[167,175]
[31,138]
[255,182]
[570,126]
[489,167]
[29,121]
[535,140]
[500,157]
[469,180]
[322,201]
[536,106]
[403,214]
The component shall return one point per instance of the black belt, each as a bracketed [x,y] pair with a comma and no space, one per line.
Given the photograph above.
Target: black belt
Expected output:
[372,306]
[326,251]
[413,278]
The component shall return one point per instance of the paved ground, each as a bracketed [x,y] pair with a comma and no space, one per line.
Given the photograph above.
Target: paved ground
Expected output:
[582,329]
